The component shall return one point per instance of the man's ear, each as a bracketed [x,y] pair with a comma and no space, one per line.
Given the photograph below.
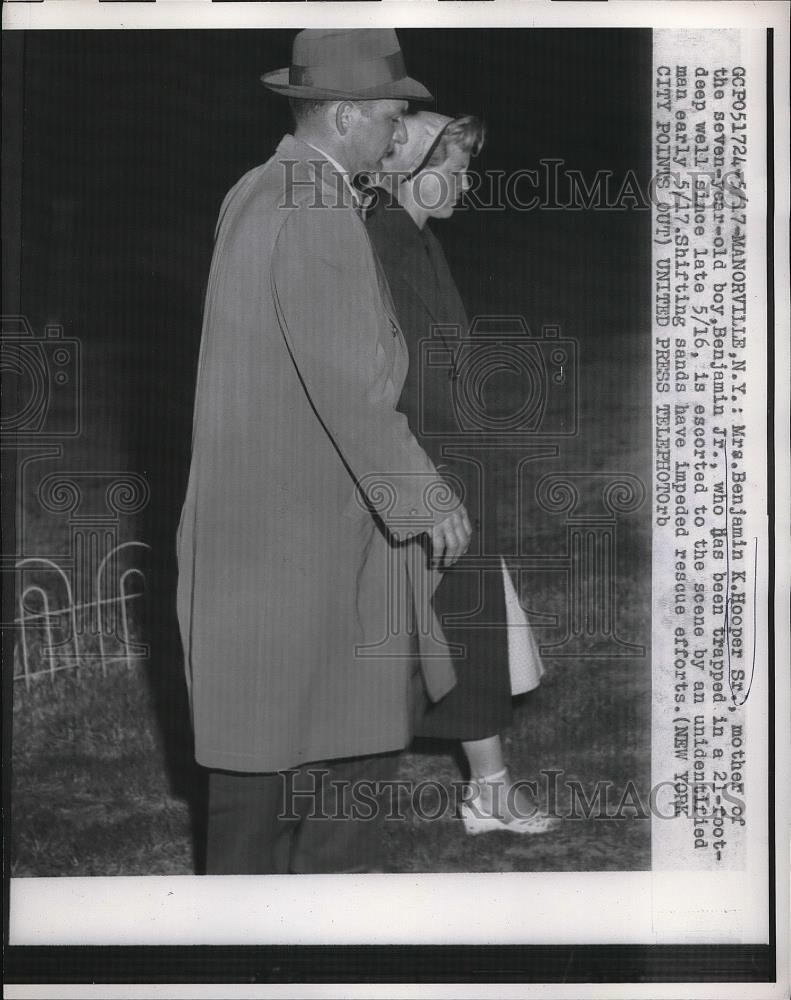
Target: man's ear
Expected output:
[344,114]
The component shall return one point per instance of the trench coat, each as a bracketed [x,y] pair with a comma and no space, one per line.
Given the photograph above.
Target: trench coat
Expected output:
[469,602]
[297,583]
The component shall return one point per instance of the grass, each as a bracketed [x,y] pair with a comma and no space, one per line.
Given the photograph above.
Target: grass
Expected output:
[94,789]
[90,793]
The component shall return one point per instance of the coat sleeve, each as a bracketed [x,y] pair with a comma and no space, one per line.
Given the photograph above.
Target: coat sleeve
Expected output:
[327,299]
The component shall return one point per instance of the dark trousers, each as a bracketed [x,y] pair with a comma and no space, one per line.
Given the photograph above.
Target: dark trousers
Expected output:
[318,818]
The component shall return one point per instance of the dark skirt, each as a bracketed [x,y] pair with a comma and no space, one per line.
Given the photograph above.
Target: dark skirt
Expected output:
[480,704]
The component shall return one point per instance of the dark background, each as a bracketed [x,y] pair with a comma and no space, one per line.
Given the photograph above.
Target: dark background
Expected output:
[129,141]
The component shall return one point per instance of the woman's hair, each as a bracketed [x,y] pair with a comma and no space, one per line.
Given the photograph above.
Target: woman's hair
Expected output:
[466,133]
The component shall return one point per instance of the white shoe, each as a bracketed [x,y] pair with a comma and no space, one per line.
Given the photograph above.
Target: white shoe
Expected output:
[475,822]
[486,812]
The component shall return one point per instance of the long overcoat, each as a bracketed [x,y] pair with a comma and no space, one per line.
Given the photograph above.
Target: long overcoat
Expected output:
[295,600]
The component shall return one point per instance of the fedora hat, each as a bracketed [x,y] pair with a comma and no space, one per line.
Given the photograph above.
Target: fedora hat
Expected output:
[363,64]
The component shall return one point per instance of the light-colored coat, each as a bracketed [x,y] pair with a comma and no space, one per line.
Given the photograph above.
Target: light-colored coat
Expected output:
[294,599]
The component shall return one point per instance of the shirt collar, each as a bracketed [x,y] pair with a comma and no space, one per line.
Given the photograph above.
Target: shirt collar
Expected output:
[356,196]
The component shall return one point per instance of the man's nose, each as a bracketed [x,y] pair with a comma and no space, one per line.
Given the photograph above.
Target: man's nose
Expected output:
[399,135]
[466,182]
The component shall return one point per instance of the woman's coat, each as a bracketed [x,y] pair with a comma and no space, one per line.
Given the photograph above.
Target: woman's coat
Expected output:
[469,601]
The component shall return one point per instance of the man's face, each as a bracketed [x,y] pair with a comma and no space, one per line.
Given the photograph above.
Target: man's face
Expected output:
[374,130]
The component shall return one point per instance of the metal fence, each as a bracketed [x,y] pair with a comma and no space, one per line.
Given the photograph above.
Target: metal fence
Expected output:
[74,634]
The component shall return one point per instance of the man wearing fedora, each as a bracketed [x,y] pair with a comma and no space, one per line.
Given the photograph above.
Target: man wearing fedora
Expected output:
[308,641]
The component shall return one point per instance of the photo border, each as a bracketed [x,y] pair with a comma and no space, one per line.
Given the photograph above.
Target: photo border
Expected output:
[485,963]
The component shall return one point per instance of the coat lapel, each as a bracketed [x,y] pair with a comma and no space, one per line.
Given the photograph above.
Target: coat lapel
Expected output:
[335,192]
[384,288]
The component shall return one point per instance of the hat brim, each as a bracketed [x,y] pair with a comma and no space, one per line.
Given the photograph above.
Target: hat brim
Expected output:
[405,89]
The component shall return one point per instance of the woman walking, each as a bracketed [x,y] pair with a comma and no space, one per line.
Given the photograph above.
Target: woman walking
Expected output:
[424,179]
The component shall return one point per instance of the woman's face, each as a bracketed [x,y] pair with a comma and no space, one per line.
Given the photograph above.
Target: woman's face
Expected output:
[437,189]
